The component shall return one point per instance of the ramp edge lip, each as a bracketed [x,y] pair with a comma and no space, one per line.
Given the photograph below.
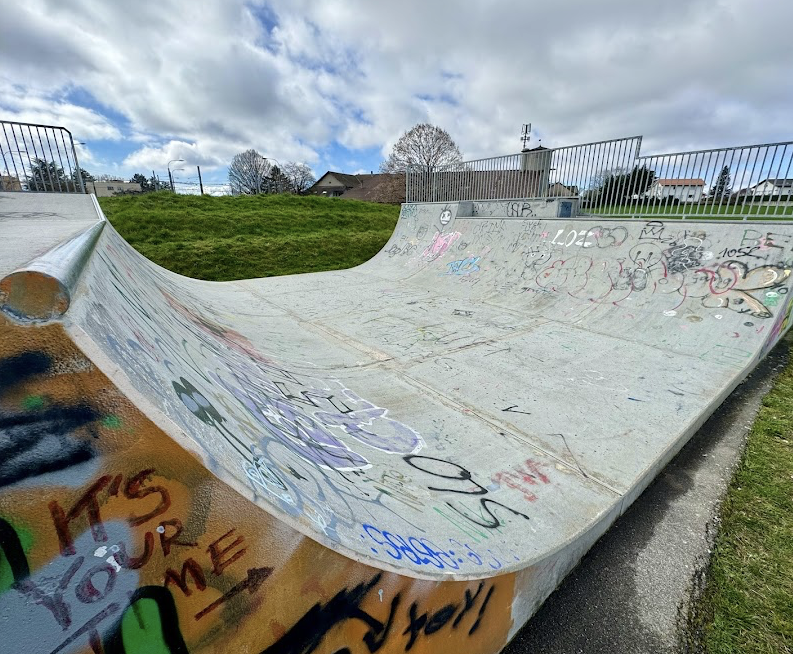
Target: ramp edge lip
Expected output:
[42,290]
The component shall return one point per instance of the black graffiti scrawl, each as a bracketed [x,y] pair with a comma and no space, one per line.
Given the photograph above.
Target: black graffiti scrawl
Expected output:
[39,438]
[309,632]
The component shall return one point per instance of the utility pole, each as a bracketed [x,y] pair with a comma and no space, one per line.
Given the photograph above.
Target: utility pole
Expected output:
[200,183]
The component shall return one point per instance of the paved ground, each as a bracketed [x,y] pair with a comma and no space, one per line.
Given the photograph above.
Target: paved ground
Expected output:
[624,597]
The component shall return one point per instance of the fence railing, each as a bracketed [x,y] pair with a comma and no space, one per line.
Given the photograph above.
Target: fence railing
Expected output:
[745,180]
[537,173]
[38,158]
[612,178]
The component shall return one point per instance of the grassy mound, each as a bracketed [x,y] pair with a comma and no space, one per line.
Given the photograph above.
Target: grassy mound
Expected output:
[225,238]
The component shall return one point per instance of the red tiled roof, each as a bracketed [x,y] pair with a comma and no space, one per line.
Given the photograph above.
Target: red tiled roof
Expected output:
[681,182]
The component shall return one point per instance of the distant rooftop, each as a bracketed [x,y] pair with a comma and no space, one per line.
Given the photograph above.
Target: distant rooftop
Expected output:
[680,182]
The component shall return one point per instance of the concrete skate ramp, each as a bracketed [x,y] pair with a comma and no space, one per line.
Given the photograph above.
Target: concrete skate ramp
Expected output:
[407,455]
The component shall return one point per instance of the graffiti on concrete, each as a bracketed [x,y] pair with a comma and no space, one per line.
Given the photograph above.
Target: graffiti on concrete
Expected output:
[70,602]
[463,267]
[440,244]
[38,437]
[140,549]
[679,266]
[467,613]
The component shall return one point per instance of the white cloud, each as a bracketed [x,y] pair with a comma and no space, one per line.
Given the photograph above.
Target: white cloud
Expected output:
[205,81]
[29,105]
[193,154]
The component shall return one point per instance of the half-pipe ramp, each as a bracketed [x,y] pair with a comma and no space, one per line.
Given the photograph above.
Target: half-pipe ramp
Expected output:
[404,456]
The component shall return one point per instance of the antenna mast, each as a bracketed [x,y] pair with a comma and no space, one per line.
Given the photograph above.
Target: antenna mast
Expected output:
[525,135]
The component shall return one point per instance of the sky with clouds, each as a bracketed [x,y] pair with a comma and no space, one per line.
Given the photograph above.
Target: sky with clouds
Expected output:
[334,83]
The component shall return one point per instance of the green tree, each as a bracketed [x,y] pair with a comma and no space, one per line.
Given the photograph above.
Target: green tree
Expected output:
[277,182]
[87,179]
[146,185]
[722,185]
[47,176]
[617,186]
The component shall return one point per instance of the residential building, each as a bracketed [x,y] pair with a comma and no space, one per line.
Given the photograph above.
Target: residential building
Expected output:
[559,190]
[357,187]
[530,179]
[111,187]
[333,184]
[776,188]
[10,183]
[682,190]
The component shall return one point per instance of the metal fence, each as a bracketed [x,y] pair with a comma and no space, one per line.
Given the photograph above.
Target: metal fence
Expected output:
[537,173]
[38,158]
[745,180]
[611,178]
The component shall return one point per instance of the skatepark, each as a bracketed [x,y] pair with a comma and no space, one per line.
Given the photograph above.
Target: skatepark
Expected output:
[407,455]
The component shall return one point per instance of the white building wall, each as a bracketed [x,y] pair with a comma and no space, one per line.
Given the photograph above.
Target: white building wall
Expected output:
[683,192]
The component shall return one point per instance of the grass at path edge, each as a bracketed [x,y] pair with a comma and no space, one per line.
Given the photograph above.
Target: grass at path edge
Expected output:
[746,606]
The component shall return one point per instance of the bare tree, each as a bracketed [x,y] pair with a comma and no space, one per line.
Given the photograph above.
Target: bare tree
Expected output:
[299,175]
[391,189]
[248,173]
[425,145]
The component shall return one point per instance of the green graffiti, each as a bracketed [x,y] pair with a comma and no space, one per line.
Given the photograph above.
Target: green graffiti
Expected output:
[771,299]
[34,402]
[111,422]
[142,629]
[150,625]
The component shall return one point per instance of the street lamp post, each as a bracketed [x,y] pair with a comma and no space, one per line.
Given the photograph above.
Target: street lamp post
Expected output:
[78,172]
[173,178]
[169,173]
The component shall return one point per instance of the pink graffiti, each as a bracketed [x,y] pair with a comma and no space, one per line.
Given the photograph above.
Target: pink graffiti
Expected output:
[440,243]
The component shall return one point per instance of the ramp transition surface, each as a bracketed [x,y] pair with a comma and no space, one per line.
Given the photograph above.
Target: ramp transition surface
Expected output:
[406,455]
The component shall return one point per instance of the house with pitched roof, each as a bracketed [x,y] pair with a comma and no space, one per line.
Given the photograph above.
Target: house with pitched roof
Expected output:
[682,190]
[356,187]
[776,188]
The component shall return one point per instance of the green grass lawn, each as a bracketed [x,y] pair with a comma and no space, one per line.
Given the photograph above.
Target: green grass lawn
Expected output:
[747,603]
[225,238]
[747,606]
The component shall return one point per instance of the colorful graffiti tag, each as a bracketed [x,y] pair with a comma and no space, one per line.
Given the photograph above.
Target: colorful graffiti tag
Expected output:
[115,539]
